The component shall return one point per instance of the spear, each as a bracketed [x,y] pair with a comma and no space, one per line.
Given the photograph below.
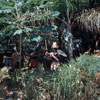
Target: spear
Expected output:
[46,45]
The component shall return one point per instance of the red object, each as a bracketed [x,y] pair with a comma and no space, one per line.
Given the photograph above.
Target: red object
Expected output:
[34,63]
[54,45]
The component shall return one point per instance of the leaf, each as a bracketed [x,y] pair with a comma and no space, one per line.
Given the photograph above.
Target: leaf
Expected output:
[46,28]
[28,29]
[2,47]
[20,31]
[2,20]
[50,15]
[6,11]
[37,38]
[55,14]
[48,4]
[4,3]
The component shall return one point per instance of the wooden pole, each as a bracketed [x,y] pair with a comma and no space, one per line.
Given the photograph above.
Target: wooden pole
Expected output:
[20,50]
[46,44]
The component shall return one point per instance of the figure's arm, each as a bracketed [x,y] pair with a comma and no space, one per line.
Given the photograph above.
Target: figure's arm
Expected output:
[52,55]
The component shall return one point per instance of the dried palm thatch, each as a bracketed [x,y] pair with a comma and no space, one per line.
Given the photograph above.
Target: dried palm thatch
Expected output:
[88,21]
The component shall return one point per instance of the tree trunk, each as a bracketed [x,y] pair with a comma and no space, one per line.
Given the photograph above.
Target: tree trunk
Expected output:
[20,51]
[70,37]
[70,42]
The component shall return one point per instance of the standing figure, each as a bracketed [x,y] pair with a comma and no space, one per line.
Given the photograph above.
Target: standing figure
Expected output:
[8,58]
[33,62]
[16,58]
[50,60]
[55,56]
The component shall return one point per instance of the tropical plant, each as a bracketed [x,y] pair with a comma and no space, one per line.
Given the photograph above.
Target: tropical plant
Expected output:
[68,9]
[25,17]
[70,82]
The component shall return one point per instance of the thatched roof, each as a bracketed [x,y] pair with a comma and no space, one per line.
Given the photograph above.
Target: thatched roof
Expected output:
[88,21]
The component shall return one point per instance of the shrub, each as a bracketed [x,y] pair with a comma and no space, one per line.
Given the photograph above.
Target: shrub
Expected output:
[71,81]
[74,81]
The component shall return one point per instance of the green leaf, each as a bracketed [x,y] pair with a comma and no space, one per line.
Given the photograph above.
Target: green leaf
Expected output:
[2,20]
[46,28]
[50,15]
[28,29]
[6,11]
[38,38]
[20,31]
[48,4]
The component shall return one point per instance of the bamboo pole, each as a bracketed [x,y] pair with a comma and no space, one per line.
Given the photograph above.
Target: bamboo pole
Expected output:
[20,50]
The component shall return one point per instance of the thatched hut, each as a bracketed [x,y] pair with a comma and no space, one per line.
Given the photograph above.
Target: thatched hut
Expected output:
[87,25]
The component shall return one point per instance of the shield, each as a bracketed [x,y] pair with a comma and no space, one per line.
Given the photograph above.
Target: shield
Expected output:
[60,52]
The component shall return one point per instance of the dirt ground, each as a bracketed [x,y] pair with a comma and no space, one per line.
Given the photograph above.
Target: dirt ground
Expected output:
[7,92]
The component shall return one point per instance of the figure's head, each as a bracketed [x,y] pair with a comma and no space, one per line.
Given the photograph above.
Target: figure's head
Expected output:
[15,49]
[54,45]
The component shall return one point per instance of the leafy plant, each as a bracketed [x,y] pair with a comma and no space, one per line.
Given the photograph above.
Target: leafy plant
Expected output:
[71,81]
[25,17]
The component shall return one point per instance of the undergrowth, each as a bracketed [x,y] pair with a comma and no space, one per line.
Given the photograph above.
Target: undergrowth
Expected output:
[71,81]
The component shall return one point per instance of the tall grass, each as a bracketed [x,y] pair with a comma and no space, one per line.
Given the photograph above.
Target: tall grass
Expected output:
[71,81]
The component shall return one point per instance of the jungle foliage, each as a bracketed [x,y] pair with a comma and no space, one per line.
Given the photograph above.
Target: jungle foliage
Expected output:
[73,81]
[36,16]
[34,20]
[29,18]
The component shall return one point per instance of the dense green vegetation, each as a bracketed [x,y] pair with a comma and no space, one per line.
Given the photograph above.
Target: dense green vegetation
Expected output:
[36,16]
[28,22]
[74,81]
